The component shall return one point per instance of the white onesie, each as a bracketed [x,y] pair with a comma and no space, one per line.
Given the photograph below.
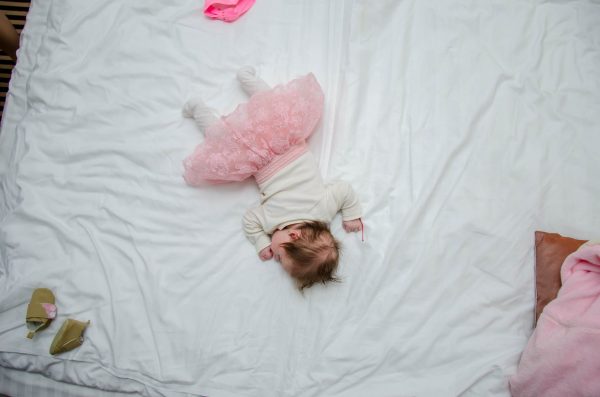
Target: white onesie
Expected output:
[298,194]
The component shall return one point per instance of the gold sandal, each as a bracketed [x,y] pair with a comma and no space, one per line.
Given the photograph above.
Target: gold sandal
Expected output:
[40,311]
[69,336]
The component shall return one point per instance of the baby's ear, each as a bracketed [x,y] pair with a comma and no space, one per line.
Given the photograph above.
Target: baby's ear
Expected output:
[295,234]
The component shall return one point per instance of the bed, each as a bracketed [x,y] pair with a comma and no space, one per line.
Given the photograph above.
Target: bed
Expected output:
[464,127]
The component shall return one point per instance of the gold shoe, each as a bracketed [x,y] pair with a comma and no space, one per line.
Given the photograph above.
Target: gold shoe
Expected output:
[69,336]
[40,311]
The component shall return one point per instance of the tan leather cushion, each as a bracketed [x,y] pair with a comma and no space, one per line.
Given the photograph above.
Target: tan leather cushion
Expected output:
[551,249]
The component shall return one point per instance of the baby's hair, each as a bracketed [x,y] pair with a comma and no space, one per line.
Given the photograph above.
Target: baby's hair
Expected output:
[314,255]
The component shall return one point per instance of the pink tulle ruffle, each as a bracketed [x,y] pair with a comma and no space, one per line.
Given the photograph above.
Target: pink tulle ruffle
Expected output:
[267,126]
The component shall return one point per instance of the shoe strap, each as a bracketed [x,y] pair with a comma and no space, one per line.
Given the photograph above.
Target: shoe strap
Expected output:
[31,333]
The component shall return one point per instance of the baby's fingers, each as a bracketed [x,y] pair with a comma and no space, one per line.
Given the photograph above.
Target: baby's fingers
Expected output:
[351,228]
[266,254]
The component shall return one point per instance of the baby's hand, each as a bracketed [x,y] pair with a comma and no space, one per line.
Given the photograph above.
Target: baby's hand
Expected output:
[355,225]
[265,254]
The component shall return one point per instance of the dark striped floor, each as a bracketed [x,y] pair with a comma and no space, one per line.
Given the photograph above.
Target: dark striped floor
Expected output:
[16,11]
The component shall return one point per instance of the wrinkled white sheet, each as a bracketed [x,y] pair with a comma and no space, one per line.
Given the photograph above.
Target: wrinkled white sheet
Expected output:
[464,126]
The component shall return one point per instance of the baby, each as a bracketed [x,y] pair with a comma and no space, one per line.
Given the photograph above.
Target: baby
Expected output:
[266,138]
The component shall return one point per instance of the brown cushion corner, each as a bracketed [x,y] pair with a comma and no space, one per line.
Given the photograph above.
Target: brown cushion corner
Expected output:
[551,250]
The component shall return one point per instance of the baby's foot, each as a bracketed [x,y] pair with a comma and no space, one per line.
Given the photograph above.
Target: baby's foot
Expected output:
[190,107]
[246,73]
[250,82]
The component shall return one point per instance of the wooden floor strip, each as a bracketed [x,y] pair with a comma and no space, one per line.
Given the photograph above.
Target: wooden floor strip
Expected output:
[13,4]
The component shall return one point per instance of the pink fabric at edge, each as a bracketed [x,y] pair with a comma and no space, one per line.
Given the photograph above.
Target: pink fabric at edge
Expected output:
[226,10]
[562,355]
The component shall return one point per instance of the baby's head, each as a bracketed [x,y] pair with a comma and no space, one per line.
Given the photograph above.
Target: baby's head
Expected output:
[308,252]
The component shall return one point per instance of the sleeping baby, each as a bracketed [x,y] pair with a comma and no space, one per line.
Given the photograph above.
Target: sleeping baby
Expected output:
[266,138]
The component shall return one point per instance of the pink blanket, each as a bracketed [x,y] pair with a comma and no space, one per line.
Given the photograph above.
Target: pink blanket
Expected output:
[562,357]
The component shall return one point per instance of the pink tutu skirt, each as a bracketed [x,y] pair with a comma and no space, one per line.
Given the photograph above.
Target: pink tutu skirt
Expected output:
[260,136]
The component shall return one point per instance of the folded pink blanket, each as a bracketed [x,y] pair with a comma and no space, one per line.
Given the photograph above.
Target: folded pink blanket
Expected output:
[562,357]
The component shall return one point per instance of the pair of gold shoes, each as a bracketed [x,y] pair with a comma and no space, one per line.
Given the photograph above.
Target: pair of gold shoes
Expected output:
[40,313]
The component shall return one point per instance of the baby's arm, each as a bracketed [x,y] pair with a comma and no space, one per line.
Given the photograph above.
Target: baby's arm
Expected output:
[348,203]
[255,233]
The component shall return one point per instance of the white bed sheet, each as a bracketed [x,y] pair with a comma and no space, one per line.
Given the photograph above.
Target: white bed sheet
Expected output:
[463,126]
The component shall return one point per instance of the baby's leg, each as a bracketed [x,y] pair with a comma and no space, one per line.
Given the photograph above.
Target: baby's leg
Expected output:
[251,83]
[196,108]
